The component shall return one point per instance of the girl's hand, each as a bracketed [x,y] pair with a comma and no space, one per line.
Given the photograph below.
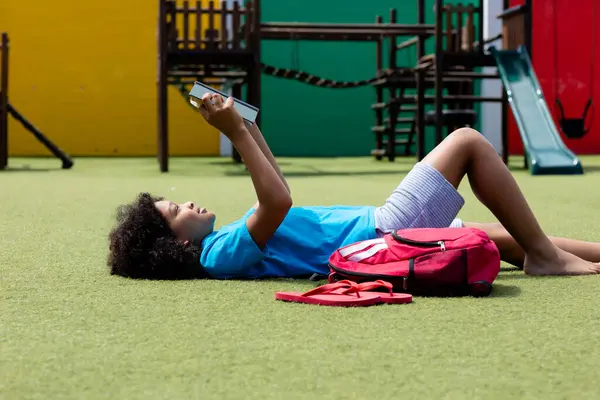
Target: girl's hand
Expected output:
[222,115]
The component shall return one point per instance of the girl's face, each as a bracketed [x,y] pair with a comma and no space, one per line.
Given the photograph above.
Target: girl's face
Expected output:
[189,222]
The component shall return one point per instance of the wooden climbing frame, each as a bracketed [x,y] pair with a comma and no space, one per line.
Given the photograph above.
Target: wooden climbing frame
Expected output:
[194,44]
[190,26]
[459,48]
[200,43]
[449,71]
[386,131]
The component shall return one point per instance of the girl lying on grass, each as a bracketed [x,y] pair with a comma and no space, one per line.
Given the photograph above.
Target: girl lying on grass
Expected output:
[158,239]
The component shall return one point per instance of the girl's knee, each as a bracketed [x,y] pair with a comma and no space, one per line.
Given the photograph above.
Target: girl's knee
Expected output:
[470,138]
[467,134]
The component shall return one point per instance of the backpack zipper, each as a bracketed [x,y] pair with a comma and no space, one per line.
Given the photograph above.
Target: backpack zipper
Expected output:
[439,243]
[367,275]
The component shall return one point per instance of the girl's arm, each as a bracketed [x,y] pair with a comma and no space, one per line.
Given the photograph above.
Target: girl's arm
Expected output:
[274,200]
[264,147]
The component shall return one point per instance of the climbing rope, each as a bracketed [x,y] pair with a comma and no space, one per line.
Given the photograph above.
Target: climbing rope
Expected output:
[314,80]
[300,76]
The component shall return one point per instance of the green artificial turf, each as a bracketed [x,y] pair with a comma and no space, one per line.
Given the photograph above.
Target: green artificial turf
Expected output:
[70,330]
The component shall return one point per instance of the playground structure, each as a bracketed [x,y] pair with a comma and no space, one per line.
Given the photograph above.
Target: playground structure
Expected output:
[233,56]
[450,68]
[7,109]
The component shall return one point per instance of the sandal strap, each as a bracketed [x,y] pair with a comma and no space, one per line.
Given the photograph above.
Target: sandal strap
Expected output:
[351,287]
[365,286]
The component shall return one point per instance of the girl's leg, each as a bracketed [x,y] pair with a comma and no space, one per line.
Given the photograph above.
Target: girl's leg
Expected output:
[512,253]
[467,152]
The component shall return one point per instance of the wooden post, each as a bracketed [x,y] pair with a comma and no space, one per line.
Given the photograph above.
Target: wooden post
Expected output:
[420,123]
[162,139]
[480,16]
[235,26]
[470,28]
[198,25]
[210,36]
[467,40]
[459,27]
[394,109]
[449,31]
[186,24]
[224,34]
[4,101]
[173,35]
[247,25]
[393,42]
[378,89]
[439,70]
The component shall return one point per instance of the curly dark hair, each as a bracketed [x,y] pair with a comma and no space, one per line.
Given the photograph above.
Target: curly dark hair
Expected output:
[143,246]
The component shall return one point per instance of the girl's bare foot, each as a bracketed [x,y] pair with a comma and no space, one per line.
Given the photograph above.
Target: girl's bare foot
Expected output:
[558,262]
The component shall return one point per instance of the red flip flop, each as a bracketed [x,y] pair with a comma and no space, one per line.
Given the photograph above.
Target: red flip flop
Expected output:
[390,297]
[341,294]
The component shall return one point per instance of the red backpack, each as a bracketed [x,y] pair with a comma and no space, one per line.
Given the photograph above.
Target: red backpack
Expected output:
[423,261]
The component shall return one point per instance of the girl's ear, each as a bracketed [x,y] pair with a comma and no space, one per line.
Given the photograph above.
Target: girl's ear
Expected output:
[186,243]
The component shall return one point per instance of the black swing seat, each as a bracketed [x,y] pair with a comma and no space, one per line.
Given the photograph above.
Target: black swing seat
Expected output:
[453,117]
[573,128]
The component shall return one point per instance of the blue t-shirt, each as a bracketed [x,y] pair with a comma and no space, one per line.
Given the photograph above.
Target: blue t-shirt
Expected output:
[301,246]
